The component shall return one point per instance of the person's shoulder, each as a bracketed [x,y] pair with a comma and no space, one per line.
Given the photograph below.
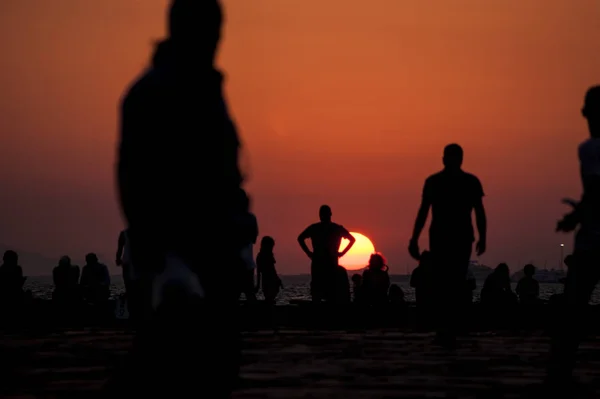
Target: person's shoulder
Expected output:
[140,89]
[432,179]
[589,148]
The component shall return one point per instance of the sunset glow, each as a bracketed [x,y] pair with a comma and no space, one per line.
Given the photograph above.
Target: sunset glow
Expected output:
[358,256]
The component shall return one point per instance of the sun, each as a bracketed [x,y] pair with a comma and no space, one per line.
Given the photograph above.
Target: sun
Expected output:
[358,256]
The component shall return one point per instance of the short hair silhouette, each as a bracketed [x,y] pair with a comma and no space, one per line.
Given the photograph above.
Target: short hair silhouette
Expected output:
[195,21]
[453,156]
[10,257]
[267,242]
[91,258]
[529,270]
[591,105]
[325,213]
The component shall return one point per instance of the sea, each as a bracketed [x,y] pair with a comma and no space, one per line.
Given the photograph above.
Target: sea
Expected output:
[295,288]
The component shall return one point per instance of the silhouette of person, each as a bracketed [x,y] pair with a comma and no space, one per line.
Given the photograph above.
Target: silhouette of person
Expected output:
[452,195]
[583,272]
[265,270]
[248,265]
[421,279]
[66,282]
[342,286]
[357,289]
[180,189]
[376,281]
[130,279]
[396,295]
[11,279]
[95,280]
[496,290]
[326,238]
[528,288]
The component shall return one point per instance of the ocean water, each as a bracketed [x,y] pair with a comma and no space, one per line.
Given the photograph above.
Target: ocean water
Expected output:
[295,288]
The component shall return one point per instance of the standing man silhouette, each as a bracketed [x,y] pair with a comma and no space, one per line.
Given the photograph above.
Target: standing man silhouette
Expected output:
[452,195]
[181,193]
[326,238]
[584,272]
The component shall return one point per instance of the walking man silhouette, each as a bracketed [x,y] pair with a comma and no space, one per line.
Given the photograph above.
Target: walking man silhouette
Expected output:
[326,238]
[584,272]
[181,193]
[452,195]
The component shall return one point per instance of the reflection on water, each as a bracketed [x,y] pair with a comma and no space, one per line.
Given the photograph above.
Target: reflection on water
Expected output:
[296,287]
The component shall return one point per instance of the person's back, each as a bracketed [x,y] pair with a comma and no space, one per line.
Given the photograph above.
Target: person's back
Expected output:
[11,277]
[326,238]
[453,195]
[95,280]
[528,288]
[376,281]
[66,280]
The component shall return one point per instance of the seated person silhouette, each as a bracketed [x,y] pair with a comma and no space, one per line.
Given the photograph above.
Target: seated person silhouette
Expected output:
[326,238]
[528,288]
[95,280]
[66,282]
[421,281]
[266,274]
[396,295]
[496,291]
[357,291]
[376,281]
[11,279]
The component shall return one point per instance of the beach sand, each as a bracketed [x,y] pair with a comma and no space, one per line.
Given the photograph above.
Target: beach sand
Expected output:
[309,364]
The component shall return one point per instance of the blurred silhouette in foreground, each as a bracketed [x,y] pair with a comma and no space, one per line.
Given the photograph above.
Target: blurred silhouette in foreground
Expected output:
[452,195]
[266,274]
[181,193]
[326,238]
[584,270]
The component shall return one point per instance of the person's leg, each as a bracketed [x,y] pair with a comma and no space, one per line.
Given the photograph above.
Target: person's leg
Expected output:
[582,278]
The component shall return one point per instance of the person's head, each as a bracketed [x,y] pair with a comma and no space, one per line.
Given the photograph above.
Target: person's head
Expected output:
[267,243]
[91,258]
[195,25]
[395,292]
[377,262]
[325,213]
[356,279]
[64,261]
[453,157]
[591,110]
[10,257]
[529,270]
[502,270]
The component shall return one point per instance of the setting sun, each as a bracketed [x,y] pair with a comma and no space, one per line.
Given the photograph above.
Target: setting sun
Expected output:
[358,256]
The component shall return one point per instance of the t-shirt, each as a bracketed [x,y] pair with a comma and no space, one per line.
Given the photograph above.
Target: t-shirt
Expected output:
[452,196]
[589,157]
[326,238]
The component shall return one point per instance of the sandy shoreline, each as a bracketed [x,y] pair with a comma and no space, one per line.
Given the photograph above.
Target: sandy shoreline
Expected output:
[382,363]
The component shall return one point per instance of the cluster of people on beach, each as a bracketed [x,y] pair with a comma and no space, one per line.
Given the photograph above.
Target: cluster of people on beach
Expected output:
[72,285]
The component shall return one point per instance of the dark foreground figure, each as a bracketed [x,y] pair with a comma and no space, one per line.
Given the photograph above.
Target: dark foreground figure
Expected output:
[584,269]
[452,195]
[180,191]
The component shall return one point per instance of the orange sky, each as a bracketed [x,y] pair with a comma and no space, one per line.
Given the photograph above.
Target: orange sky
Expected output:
[337,102]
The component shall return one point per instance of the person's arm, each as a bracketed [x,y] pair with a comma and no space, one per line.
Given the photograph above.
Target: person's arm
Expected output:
[351,240]
[420,221]
[481,219]
[120,248]
[306,234]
